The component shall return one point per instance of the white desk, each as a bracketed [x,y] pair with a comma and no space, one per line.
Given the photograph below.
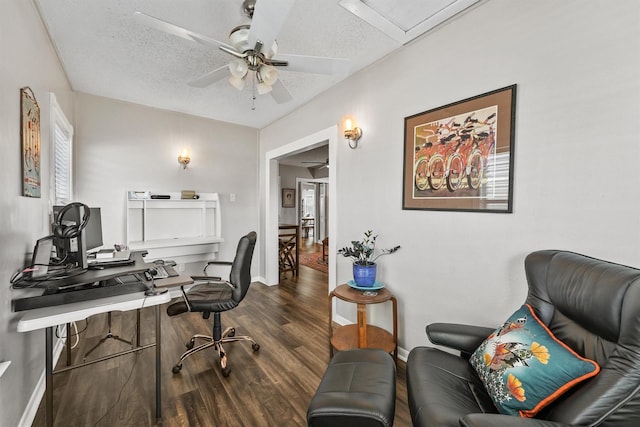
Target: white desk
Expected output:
[50,317]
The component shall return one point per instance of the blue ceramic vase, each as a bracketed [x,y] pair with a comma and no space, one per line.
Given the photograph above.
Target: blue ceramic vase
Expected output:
[364,275]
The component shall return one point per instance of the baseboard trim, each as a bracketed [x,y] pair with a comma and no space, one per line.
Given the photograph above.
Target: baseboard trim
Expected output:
[29,414]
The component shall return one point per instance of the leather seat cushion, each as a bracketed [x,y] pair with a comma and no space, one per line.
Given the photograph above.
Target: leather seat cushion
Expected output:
[206,297]
[357,389]
[443,387]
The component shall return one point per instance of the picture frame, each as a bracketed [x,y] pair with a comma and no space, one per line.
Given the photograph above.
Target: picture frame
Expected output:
[30,140]
[459,157]
[288,197]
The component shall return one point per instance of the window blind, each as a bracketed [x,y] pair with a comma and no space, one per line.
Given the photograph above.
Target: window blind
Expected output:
[62,173]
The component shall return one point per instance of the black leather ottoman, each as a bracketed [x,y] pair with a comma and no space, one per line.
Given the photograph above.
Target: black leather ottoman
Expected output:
[357,389]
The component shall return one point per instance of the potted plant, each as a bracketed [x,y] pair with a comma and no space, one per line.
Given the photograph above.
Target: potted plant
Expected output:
[364,256]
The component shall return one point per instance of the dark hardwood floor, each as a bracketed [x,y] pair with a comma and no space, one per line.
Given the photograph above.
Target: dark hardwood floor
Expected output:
[271,387]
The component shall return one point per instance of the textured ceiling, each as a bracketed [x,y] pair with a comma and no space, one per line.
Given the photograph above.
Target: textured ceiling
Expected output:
[106,52]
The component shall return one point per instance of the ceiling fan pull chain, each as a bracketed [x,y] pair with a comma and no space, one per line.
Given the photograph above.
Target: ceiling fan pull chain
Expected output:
[253,90]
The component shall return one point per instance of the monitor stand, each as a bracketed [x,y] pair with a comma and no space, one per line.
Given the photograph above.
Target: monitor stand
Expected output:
[153,291]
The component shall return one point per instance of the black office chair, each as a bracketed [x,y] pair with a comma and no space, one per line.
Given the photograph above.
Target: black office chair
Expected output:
[215,295]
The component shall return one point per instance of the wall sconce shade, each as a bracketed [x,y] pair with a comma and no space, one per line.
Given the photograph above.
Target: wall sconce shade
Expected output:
[352,133]
[184,158]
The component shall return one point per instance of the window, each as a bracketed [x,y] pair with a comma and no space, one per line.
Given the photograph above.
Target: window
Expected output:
[62,144]
[498,174]
[497,188]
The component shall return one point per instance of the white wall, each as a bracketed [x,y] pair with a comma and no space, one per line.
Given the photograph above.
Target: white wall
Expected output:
[121,146]
[27,59]
[576,183]
[288,175]
[576,65]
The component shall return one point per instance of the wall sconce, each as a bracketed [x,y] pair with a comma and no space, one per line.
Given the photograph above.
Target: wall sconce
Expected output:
[184,158]
[352,133]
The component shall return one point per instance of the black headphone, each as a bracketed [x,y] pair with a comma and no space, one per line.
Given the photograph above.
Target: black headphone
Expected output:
[63,231]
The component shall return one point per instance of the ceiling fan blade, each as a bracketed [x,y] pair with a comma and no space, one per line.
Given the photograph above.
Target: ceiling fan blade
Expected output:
[268,18]
[280,93]
[316,64]
[169,28]
[211,77]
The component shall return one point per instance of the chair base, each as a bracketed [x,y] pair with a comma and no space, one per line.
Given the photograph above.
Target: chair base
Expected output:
[228,336]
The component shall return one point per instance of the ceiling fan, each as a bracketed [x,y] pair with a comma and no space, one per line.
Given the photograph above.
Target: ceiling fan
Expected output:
[253,47]
[320,165]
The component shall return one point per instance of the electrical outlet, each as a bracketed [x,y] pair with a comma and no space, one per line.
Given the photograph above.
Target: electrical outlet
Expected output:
[232,197]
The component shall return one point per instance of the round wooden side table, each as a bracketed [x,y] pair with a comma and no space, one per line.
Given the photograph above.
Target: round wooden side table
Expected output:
[361,335]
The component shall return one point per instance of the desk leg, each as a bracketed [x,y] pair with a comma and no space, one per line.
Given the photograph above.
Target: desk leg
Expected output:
[362,326]
[138,328]
[48,410]
[158,366]
[68,342]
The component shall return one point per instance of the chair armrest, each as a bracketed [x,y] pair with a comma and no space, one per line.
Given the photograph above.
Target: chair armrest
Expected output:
[204,270]
[496,420]
[185,298]
[464,338]
[207,278]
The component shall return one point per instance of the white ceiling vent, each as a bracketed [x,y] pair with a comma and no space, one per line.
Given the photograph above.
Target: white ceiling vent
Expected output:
[404,21]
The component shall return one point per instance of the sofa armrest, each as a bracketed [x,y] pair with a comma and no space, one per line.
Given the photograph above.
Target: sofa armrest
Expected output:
[496,420]
[464,338]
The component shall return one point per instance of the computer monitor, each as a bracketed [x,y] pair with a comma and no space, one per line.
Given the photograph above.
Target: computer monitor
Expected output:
[93,230]
[74,250]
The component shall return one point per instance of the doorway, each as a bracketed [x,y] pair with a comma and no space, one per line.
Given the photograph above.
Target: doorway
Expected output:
[330,137]
[313,209]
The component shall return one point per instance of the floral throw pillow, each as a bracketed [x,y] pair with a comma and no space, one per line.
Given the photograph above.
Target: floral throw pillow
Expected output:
[524,367]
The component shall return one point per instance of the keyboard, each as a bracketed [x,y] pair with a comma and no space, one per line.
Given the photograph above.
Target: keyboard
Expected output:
[164,271]
[118,258]
[161,272]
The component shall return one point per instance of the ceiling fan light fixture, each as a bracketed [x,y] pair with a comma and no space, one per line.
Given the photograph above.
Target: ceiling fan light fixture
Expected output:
[274,50]
[238,68]
[268,74]
[237,82]
[239,38]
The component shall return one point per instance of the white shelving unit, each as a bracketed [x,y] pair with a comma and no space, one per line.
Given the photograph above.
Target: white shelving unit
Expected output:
[184,230]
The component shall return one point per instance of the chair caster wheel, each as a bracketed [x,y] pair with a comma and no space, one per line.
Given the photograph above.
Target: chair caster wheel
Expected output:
[176,369]
[226,371]
[232,333]
[190,344]
[255,347]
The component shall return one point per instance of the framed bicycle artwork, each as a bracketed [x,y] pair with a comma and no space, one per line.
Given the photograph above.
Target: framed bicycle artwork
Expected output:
[459,157]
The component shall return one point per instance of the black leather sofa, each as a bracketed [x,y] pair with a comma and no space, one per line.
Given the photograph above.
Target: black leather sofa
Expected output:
[591,305]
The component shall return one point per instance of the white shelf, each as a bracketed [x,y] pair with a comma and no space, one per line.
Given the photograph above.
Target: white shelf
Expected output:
[170,243]
[186,230]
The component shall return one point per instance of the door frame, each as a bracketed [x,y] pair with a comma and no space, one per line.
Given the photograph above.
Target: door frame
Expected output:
[329,136]
[299,182]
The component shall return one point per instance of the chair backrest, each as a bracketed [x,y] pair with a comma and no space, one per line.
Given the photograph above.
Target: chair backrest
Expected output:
[594,307]
[240,275]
